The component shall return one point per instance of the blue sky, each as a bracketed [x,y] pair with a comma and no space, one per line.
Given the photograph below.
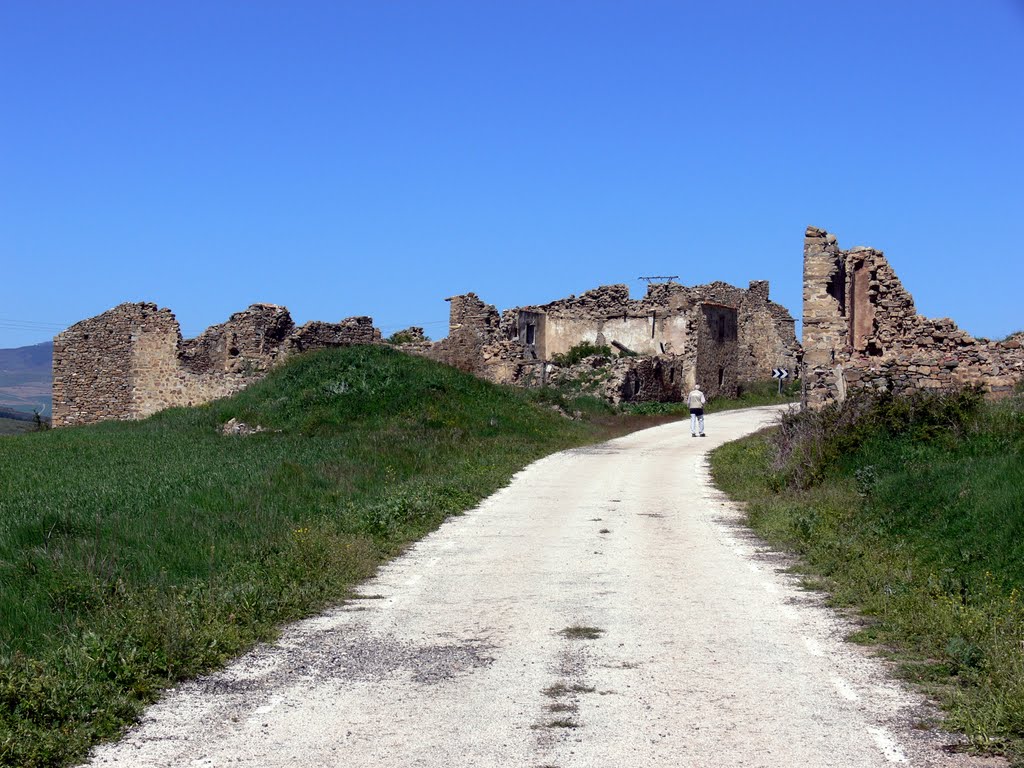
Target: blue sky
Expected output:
[374,157]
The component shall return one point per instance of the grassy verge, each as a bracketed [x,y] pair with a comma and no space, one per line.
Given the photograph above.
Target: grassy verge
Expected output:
[136,554]
[910,511]
[751,394]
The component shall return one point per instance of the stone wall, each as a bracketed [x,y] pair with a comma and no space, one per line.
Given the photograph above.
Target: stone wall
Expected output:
[131,361]
[716,365]
[472,326]
[671,320]
[861,329]
[659,378]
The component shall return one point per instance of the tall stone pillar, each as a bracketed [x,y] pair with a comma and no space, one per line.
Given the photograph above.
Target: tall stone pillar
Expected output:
[825,321]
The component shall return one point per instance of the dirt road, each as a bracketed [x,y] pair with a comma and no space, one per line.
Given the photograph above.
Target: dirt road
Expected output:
[606,609]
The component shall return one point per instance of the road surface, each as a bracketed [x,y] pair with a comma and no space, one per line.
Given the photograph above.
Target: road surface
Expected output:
[605,609]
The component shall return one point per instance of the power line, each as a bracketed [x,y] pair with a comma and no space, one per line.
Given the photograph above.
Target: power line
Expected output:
[30,324]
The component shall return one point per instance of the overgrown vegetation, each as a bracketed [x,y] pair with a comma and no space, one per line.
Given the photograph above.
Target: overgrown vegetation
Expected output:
[580,351]
[751,395]
[911,511]
[136,554]
[403,337]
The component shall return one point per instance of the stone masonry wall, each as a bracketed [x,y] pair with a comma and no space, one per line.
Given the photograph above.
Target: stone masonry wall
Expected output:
[671,320]
[861,329]
[472,325]
[717,359]
[92,364]
[131,362]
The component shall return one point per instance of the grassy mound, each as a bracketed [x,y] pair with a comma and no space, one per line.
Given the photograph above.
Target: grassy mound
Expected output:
[910,510]
[135,554]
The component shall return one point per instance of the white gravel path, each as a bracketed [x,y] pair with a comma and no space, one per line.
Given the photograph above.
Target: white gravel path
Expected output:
[708,655]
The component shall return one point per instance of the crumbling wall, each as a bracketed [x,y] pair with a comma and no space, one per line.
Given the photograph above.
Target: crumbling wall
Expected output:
[317,334]
[472,325]
[766,336]
[92,365]
[511,348]
[659,378]
[131,361]
[607,314]
[861,329]
[716,361]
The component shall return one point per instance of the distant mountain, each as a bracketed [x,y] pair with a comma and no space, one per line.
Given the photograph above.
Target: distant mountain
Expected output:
[26,378]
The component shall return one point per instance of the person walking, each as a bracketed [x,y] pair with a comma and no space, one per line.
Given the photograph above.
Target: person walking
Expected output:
[696,400]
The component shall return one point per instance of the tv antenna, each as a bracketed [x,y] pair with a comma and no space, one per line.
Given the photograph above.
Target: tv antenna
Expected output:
[651,278]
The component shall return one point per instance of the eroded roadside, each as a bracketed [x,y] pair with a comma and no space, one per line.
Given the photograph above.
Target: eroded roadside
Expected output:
[604,609]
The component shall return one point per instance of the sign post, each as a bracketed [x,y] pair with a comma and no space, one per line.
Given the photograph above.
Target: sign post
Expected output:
[780,374]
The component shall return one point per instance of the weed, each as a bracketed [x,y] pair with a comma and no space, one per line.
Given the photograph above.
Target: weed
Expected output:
[559,689]
[562,707]
[577,632]
[580,351]
[908,509]
[403,337]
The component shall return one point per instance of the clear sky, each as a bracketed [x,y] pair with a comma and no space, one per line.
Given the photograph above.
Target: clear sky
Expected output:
[374,157]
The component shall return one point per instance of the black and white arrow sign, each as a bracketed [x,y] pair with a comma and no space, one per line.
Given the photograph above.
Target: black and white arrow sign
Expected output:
[780,373]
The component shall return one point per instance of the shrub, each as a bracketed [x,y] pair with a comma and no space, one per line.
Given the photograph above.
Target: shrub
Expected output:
[808,442]
[403,337]
[576,353]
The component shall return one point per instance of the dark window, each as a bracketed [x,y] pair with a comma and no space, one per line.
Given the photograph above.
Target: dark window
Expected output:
[721,327]
[671,375]
[721,377]
[531,333]
[636,385]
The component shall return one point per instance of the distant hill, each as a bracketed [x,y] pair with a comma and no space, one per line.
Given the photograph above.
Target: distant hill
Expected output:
[26,378]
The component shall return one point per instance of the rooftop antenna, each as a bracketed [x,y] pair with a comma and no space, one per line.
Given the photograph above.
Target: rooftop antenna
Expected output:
[651,278]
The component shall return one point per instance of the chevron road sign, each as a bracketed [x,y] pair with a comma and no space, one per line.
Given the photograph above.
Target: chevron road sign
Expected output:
[780,374]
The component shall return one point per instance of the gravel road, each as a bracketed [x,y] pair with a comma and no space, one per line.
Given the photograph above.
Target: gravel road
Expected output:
[605,609]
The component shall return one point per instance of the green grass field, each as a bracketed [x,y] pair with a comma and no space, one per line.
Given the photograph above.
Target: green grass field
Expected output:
[912,514]
[15,426]
[135,554]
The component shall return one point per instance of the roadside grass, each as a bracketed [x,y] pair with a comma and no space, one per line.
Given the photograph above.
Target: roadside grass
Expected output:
[752,394]
[911,513]
[136,554]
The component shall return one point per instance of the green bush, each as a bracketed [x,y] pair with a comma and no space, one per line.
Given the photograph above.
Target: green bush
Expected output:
[402,337]
[580,351]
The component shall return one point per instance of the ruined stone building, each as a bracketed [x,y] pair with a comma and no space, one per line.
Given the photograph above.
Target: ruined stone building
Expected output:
[131,361]
[717,334]
[860,329]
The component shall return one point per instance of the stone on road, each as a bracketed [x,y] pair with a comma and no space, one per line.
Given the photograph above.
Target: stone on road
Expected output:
[605,609]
